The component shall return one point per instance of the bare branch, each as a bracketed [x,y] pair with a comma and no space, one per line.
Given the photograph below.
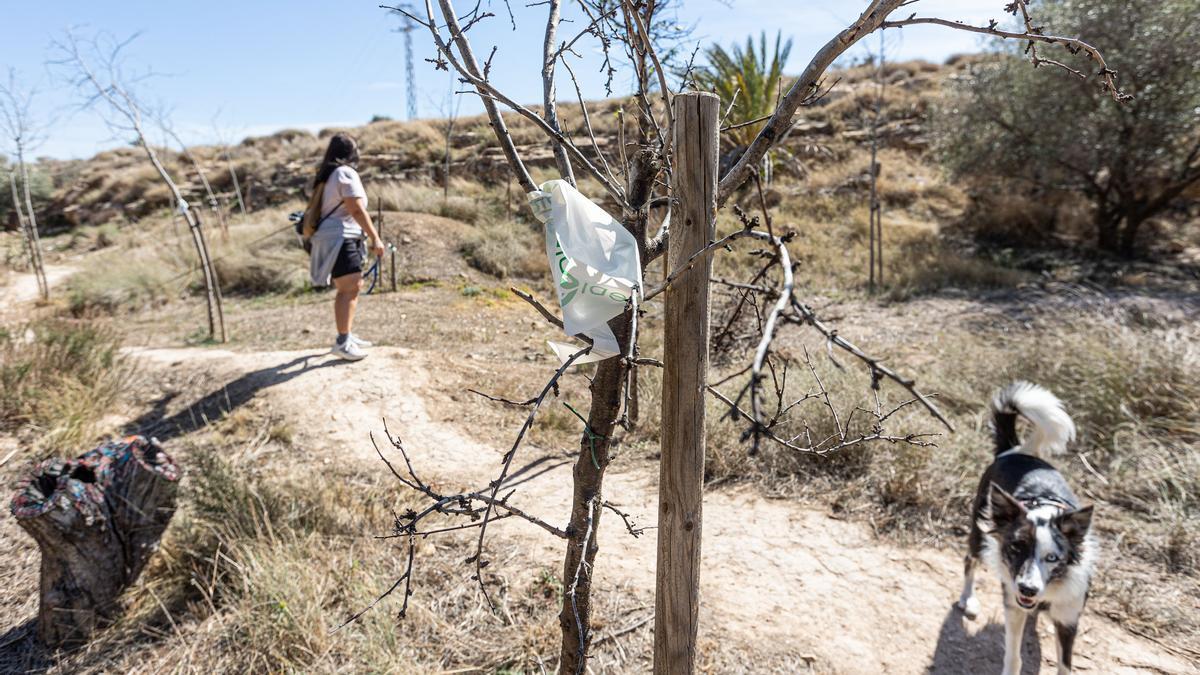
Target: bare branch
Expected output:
[1033,35]
[550,106]
[508,458]
[469,68]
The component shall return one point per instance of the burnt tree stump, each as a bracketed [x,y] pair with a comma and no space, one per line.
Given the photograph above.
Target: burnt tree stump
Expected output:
[96,519]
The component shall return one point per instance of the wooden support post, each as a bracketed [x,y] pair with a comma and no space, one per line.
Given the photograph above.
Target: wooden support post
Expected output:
[685,379]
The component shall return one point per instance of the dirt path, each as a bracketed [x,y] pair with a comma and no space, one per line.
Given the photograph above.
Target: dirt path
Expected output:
[778,577]
[23,288]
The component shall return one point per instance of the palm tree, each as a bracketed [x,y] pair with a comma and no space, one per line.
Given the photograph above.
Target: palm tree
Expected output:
[748,78]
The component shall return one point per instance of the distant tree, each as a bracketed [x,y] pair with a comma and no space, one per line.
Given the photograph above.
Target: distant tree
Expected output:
[749,79]
[41,186]
[1034,128]
[23,133]
[95,68]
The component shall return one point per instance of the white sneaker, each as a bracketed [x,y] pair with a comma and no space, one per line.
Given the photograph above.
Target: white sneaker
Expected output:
[360,342]
[349,351]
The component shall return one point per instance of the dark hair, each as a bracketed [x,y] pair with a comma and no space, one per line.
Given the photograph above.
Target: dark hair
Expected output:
[342,151]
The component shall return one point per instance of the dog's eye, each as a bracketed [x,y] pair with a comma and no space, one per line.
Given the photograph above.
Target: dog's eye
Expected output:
[1052,558]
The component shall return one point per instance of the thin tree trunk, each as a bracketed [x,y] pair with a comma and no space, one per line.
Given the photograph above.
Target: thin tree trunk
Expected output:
[237,188]
[595,444]
[875,238]
[16,202]
[583,531]
[1129,233]
[216,316]
[549,59]
[214,204]
[211,282]
[35,242]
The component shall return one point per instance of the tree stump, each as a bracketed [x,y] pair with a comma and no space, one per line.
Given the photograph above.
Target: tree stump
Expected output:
[96,519]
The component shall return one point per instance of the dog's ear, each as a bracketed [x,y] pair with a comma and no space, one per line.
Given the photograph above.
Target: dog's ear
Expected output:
[1075,524]
[1005,508]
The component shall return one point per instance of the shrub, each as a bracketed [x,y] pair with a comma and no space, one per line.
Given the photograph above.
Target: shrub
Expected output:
[1130,159]
[506,248]
[419,198]
[57,379]
[1131,391]
[257,261]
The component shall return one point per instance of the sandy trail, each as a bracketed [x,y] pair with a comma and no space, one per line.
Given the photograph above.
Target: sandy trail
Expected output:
[23,288]
[778,577]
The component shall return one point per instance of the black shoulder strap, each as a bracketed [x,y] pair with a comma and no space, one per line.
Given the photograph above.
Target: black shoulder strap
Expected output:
[335,208]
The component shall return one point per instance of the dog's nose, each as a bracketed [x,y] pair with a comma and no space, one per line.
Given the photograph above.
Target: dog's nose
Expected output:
[1027,590]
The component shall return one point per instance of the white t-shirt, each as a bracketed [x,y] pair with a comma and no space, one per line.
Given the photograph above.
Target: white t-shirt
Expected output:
[343,182]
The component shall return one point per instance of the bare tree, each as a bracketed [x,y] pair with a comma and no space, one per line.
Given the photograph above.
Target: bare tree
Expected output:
[24,134]
[639,177]
[224,140]
[448,107]
[214,204]
[94,66]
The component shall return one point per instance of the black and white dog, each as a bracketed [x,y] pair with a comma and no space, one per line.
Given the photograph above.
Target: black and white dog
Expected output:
[1028,527]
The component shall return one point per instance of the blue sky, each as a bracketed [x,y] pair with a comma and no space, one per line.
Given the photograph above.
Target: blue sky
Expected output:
[257,66]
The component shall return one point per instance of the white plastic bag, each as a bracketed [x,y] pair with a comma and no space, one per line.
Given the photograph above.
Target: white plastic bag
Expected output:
[595,265]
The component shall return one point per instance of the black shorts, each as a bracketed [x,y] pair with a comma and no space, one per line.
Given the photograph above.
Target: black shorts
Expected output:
[349,258]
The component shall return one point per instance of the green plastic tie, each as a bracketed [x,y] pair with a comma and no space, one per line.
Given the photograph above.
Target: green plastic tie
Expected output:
[587,430]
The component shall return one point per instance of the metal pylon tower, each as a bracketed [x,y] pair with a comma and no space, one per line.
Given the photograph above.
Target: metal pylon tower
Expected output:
[409,71]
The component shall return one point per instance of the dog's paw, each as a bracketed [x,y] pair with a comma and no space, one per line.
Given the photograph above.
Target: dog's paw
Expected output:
[969,607]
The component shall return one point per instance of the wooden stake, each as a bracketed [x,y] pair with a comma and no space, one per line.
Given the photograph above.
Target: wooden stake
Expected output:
[876,210]
[697,116]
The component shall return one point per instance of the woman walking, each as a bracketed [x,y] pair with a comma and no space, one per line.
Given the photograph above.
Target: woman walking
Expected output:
[338,248]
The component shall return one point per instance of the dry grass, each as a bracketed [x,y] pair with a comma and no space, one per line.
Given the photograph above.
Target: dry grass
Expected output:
[417,143]
[465,201]
[506,248]
[1131,391]
[831,245]
[155,262]
[268,555]
[58,378]
[258,259]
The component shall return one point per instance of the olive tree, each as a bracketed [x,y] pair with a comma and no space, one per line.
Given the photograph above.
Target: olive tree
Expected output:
[1036,130]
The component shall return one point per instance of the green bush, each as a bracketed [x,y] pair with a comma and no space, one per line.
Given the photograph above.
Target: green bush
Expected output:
[1044,131]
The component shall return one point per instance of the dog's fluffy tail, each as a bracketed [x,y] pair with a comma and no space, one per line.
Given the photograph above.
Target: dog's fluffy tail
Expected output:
[1052,426]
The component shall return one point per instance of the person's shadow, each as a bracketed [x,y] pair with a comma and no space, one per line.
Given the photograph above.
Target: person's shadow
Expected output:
[959,651]
[155,422]
[20,650]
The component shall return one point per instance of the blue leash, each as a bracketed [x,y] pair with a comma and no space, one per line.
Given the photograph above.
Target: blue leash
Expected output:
[373,274]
